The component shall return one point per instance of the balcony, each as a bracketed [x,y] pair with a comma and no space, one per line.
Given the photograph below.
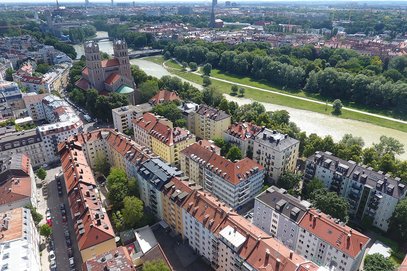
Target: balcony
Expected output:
[335,187]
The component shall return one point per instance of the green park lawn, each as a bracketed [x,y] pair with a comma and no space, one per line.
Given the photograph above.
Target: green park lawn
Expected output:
[273,98]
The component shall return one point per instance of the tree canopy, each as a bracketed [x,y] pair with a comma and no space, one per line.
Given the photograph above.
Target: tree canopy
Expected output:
[41,173]
[234,153]
[330,203]
[398,222]
[377,262]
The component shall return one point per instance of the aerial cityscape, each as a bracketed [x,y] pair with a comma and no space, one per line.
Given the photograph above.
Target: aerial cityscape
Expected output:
[203,135]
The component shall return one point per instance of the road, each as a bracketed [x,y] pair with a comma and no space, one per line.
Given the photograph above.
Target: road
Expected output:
[58,226]
[297,97]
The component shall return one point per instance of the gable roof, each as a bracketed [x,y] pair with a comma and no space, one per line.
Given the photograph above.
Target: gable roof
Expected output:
[338,235]
[164,96]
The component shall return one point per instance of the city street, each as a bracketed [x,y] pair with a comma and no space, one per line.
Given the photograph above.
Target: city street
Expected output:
[58,226]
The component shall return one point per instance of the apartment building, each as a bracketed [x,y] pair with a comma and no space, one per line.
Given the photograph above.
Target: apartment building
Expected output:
[12,94]
[29,142]
[164,96]
[234,182]
[276,152]
[19,242]
[230,242]
[329,242]
[143,125]
[372,195]
[278,213]
[123,116]
[17,182]
[208,122]
[34,106]
[93,230]
[116,259]
[242,134]
[152,175]
[173,195]
[166,141]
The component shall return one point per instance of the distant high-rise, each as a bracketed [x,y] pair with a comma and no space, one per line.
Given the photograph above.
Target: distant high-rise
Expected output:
[112,3]
[86,3]
[212,23]
[57,4]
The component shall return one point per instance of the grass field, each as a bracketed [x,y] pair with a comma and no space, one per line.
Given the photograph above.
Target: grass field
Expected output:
[268,97]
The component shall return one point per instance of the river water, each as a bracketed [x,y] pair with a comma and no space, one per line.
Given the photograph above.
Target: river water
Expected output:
[104,45]
[310,122]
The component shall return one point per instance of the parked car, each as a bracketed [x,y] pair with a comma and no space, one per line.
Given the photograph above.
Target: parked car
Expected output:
[71,262]
[60,193]
[63,212]
[64,218]
[51,255]
[70,252]
[67,235]
[68,242]
[53,265]
[62,206]
[49,222]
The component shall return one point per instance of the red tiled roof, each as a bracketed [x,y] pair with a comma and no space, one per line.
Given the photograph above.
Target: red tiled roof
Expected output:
[113,78]
[15,189]
[31,99]
[233,172]
[82,84]
[156,253]
[110,63]
[169,135]
[91,224]
[342,237]
[116,259]
[85,71]
[164,96]
[243,130]
[146,122]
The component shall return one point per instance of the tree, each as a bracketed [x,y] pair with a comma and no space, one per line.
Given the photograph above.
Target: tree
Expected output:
[377,262]
[9,75]
[132,211]
[156,265]
[41,173]
[207,68]
[148,89]
[349,140]
[206,81]
[169,110]
[167,55]
[118,222]
[289,180]
[222,144]
[117,185]
[312,186]
[234,90]
[280,117]
[330,203]
[234,153]
[37,217]
[388,145]
[398,222]
[193,66]
[138,74]
[241,91]
[101,164]
[45,230]
[337,106]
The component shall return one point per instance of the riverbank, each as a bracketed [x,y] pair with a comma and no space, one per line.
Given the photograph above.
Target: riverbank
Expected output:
[274,96]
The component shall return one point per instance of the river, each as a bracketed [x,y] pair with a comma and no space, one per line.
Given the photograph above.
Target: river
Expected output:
[310,122]
[104,45]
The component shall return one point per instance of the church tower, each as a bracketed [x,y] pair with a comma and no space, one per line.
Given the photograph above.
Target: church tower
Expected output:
[121,54]
[94,65]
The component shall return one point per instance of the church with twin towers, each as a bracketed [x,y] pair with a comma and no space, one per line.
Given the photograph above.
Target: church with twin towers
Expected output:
[108,75]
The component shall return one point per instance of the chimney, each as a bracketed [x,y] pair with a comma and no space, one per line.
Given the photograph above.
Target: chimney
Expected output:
[314,222]
[291,254]
[267,257]
[348,240]
[278,262]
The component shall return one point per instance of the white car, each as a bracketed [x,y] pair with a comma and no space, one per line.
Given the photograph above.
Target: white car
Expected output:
[53,264]
[51,255]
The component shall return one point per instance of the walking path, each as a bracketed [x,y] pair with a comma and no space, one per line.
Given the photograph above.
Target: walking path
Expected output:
[296,97]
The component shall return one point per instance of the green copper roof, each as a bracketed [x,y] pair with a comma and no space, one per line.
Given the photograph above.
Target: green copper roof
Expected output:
[123,89]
